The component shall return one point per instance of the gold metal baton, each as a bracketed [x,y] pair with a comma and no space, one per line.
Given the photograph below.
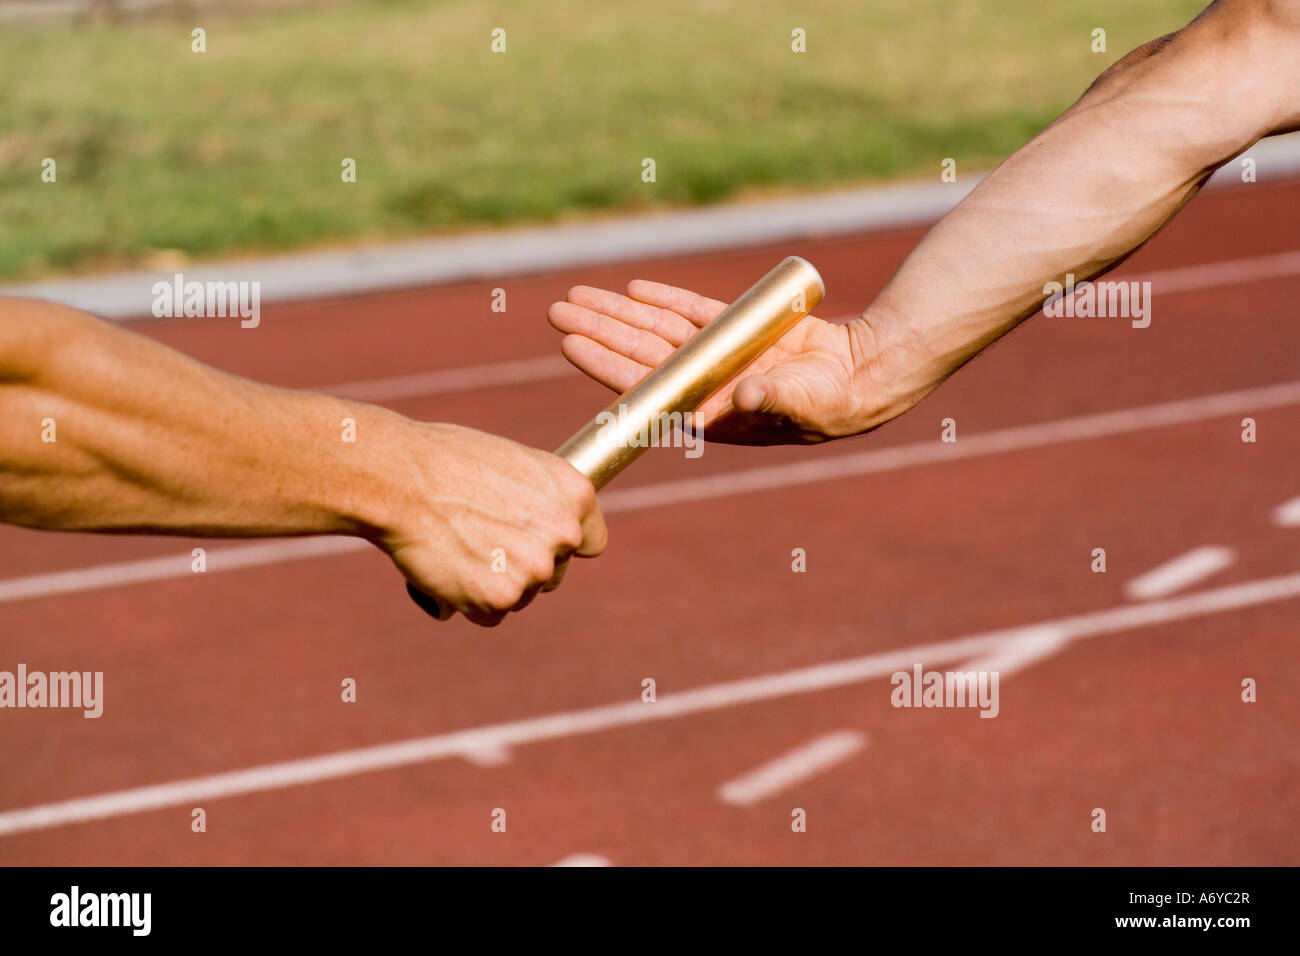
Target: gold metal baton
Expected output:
[690,376]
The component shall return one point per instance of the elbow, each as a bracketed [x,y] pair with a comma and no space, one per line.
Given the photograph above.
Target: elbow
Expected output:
[1117,76]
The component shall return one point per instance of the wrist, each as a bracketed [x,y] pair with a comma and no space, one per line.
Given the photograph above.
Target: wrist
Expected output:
[894,366]
[371,476]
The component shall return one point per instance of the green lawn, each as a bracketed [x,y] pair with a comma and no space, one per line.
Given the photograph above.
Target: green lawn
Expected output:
[239,149]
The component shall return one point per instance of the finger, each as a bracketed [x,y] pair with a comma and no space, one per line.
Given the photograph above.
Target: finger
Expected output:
[572,319]
[483,617]
[429,604]
[665,323]
[595,536]
[527,598]
[699,309]
[616,335]
[603,364]
[561,567]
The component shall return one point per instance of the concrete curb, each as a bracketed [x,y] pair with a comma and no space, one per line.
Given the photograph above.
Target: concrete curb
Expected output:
[500,254]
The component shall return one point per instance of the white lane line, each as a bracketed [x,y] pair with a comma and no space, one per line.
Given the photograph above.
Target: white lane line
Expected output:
[1229,272]
[179,566]
[1288,515]
[792,768]
[1183,571]
[488,756]
[1036,644]
[548,367]
[583,859]
[545,368]
[723,485]
[572,723]
[1102,425]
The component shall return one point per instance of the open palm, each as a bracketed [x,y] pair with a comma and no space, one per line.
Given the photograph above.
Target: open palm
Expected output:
[799,391]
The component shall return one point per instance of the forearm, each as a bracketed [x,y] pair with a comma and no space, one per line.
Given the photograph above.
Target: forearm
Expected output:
[1088,190]
[146,439]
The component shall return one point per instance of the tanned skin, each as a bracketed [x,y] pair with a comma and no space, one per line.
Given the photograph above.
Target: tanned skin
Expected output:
[1079,198]
[148,440]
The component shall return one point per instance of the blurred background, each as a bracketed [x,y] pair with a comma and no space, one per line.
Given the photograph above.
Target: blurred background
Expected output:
[164,151]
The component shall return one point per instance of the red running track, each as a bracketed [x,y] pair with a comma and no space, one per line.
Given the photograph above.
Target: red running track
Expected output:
[1132,705]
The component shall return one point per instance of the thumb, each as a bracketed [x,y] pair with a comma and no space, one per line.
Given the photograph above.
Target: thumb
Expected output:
[778,393]
[754,393]
[808,393]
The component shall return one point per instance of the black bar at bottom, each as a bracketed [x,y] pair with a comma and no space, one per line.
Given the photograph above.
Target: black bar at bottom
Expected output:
[656,906]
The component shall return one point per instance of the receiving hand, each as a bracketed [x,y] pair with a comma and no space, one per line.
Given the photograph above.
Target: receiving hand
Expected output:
[818,382]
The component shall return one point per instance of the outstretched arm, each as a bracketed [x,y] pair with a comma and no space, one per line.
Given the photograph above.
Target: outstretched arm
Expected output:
[105,430]
[1092,187]
[1078,198]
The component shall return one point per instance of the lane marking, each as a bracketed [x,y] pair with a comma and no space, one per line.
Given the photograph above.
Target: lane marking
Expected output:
[1228,272]
[545,368]
[1018,653]
[1181,572]
[711,697]
[792,768]
[1016,438]
[726,484]
[1288,515]
[159,569]
[583,859]
[488,756]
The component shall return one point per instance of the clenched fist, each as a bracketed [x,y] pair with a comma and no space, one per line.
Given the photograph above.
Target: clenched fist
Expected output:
[488,523]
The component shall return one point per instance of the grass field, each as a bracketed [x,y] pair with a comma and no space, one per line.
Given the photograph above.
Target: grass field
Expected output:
[239,148]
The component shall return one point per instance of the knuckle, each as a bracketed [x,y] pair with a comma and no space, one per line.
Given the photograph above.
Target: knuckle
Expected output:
[568,536]
[501,594]
[539,567]
[579,488]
